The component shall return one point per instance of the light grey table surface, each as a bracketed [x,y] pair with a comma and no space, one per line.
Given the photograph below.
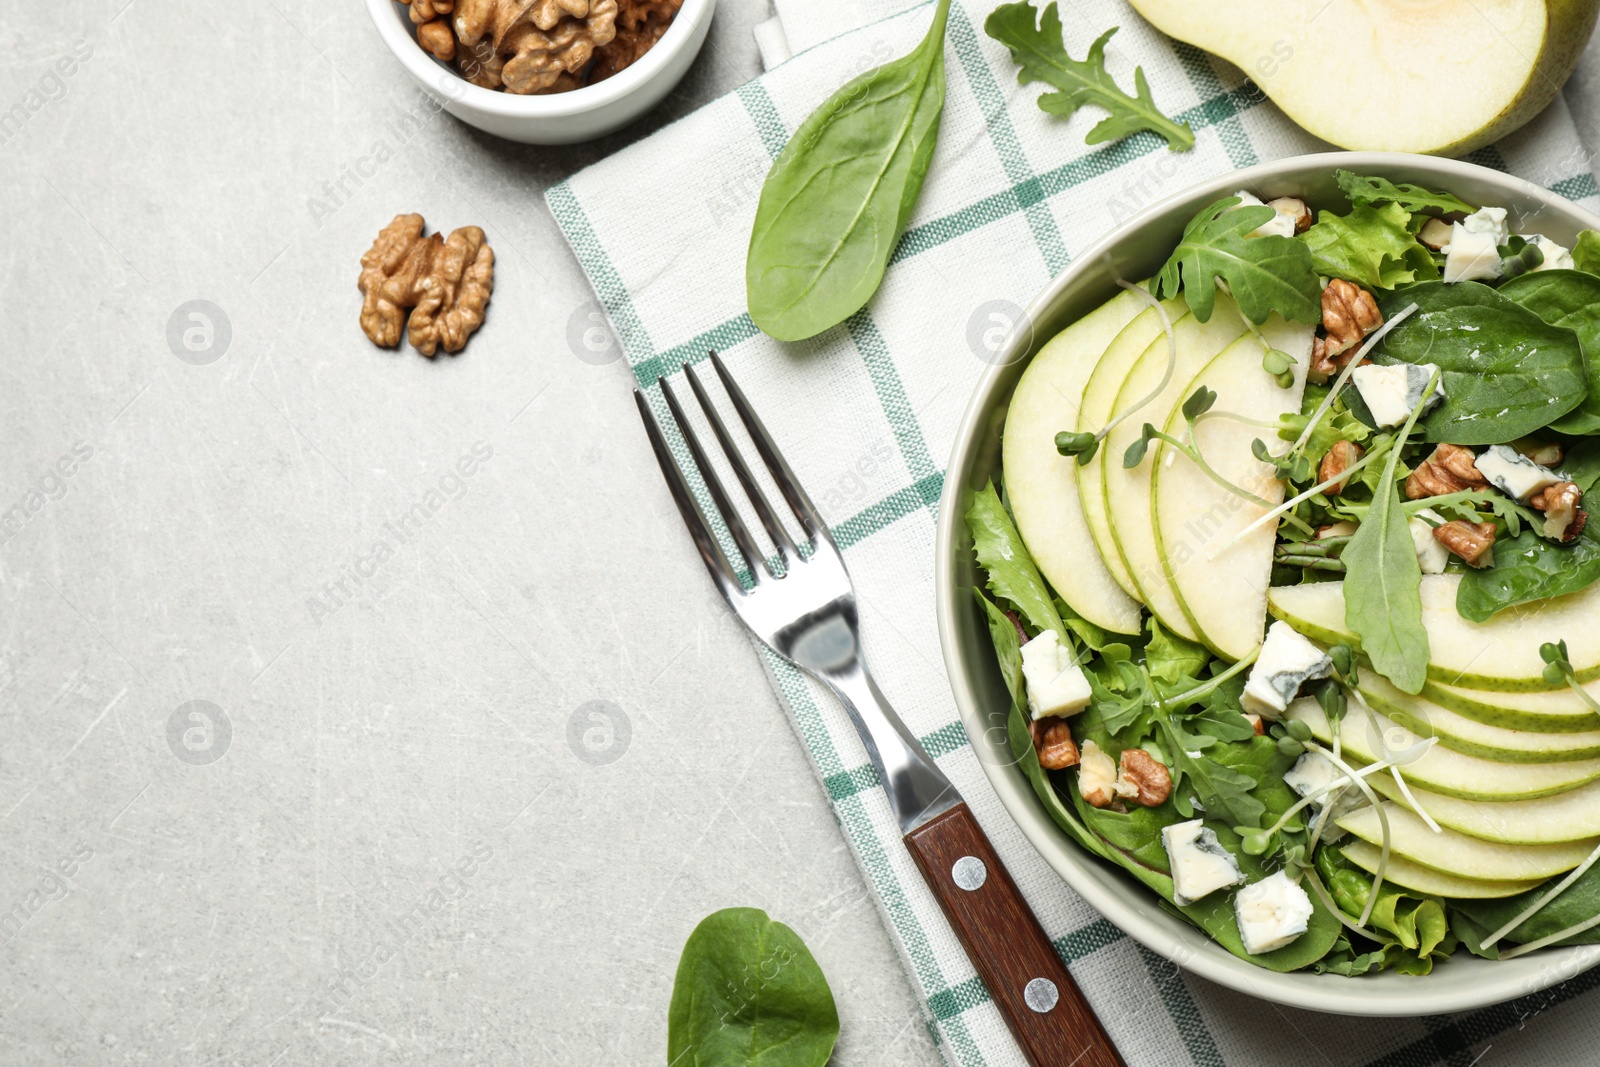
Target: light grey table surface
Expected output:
[301,898]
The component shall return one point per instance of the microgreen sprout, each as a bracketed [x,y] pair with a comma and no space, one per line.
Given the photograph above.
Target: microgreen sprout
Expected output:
[1277,363]
[1519,256]
[1558,669]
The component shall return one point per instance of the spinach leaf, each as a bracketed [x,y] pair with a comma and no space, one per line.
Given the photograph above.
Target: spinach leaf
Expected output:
[1579,901]
[1263,274]
[1527,567]
[1586,253]
[1568,298]
[748,993]
[1582,465]
[1040,52]
[1383,583]
[839,194]
[1366,190]
[1012,574]
[1507,372]
[1008,651]
[1370,246]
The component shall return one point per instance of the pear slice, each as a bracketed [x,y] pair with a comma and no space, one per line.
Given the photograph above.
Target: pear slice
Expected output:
[1458,733]
[1042,484]
[1569,816]
[1556,711]
[1367,737]
[1439,76]
[1127,489]
[1403,872]
[1456,853]
[1099,397]
[1225,599]
[1501,654]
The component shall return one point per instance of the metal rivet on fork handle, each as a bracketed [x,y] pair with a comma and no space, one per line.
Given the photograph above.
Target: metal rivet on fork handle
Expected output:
[969,873]
[1041,995]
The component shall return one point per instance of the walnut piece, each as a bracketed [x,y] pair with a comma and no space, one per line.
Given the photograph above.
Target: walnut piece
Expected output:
[1544,453]
[1473,542]
[1435,233]
[447,283]
[1340,458]
[1097,776]
[1053,739]
[1143,779]
[1295,208]
[424,11]
[533,46]
[633,39]
[1563,519]
[1255,722]
[1349,313]
[437,39]
[1449,470]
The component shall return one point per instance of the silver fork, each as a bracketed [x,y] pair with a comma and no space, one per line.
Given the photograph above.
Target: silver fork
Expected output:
[808,615]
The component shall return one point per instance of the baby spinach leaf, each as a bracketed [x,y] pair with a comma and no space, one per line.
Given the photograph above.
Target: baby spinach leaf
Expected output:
[749,994]
[1579,901]
[1568,298]
[1366,190]
[1383,583]
[1370,246]
[1039,50]
[1586,253]
[1012,574]
[1527,567]
[1582,465]
[1506,372]
[1264,274]
[840,192]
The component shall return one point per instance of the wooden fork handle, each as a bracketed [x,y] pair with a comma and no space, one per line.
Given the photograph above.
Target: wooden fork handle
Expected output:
[1041,1003]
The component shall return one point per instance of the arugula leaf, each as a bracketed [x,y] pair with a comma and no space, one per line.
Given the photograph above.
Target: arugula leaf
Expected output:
[1221,788]
[1040,53]
[1526,568]
[1263,274]
[1507,372]
[1370,246]
[1586,253]
[1571,299]
[748,992]
[1011,572]
[839,194]
[1367,190]
[1383,582]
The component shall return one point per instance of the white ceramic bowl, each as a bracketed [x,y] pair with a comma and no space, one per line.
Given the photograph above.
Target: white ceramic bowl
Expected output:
[560,118]
[1136,250]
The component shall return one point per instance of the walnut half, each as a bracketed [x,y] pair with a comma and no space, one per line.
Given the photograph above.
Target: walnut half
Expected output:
[444,284]
[1340,458]
[1349,313]
[1472,542]
[1563,519]
[1053,739]
[1449,470]
[1143,779]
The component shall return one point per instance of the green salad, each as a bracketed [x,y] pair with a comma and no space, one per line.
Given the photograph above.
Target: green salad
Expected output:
[1290,580]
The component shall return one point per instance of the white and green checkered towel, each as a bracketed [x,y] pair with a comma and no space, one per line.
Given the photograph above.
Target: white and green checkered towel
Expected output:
[867,412]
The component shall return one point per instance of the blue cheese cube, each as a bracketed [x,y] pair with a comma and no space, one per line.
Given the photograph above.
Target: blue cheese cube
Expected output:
[1287,661]
[1431,553]
[1313,772]
[1200,865]
[1556,257]
[1474,249]
[1271,913]
[1391,392]
[1512,473]
[1055,683]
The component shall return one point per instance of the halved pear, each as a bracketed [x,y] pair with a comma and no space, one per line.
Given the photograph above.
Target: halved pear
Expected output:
[1225,599]
[1160,375]
[1099,397]
[1367,737]
[1042,484]
[1556,711]
[1569,816]
[1500,655]
[1456,853]
[1469,736]
[1440,76]
[1403,872]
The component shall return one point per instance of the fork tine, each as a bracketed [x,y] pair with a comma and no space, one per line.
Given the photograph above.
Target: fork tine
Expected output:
[753,556]
[741,470]
[787,483]
[699,530]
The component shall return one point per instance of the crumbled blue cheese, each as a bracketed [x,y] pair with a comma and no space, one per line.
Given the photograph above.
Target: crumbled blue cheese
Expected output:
[1055,682]
[1314,771]
[1474,249]
[1390,392]
[1556,257]
[1271,913]
[1280,225]
[1513,473]
[1431,553]
[1287,661]
[1200,865]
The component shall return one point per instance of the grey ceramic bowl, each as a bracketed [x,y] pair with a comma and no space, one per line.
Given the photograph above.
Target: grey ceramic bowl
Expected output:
[1136,250]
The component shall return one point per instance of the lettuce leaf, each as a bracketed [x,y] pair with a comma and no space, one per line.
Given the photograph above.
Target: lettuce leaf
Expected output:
[1012,574]
[1586,253]
[1372,247]
[1367,190]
